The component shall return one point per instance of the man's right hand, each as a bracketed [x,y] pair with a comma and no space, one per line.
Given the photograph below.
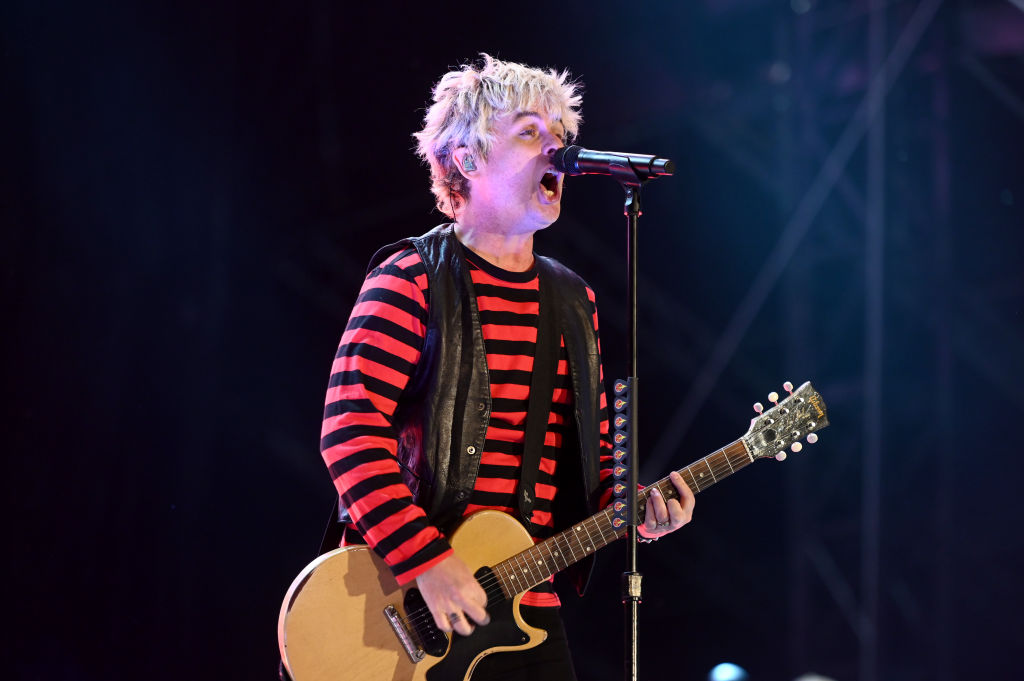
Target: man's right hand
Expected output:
[453,596]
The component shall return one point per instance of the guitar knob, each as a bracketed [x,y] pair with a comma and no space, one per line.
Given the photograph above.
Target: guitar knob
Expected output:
[781,456]
[758,407]
[773,397]
[796,447]
[788,387]
[812,438]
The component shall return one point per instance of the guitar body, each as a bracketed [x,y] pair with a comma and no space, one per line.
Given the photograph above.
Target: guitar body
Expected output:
[332,625]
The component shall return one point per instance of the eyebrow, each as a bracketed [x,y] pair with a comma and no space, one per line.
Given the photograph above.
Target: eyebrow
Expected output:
[527,114]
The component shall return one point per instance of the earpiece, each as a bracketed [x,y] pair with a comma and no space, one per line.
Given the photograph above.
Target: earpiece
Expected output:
[468,164]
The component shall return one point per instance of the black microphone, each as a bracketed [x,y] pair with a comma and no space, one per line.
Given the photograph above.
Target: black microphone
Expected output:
[575,160]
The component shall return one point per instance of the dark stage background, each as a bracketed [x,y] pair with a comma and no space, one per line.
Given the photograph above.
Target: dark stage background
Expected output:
[190,192]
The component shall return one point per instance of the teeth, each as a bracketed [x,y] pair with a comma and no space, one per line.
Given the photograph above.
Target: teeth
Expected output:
[550,177]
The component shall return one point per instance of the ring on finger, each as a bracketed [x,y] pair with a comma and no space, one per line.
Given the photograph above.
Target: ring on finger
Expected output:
[453,617]
[664,524]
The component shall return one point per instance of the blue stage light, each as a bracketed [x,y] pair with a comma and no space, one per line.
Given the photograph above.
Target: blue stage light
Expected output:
[727,671]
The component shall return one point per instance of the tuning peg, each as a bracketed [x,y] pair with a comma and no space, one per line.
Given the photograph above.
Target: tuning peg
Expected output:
[781,456]
[788,387]
[812,438]
[796,447]
[773,397]
[758,407]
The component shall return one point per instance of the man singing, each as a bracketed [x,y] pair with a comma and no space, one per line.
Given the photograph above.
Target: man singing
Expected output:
[456,338]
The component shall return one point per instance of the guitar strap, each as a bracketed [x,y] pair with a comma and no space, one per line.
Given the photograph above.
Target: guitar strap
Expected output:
[542,386]
[334,531]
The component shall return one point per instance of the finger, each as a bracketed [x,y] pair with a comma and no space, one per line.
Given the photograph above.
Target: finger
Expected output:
[650,516]
[442,623]
[686,497]
[678,515]
[478,613]
[479,595]
[475,603]
[657,513]
[459,623]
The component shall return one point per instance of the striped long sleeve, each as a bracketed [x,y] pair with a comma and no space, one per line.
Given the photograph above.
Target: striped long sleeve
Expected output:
[375,360]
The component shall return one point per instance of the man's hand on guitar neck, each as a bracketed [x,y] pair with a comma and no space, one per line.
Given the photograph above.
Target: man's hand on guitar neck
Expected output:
[453,596]
[667,517]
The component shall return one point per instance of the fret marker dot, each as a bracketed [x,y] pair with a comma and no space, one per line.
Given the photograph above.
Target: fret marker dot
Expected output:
[702,475]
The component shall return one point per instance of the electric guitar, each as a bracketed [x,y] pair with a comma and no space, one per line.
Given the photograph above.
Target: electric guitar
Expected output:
[345,618]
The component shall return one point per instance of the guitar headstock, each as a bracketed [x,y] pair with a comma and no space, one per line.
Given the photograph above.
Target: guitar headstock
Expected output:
[796,418]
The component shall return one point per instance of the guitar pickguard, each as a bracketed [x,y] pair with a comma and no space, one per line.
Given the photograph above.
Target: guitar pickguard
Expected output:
[502,632]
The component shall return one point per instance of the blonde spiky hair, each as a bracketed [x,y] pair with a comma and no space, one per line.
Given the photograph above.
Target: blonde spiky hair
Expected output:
[466,104]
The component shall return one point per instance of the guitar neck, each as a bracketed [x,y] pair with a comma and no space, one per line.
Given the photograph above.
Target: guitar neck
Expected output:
[537,564]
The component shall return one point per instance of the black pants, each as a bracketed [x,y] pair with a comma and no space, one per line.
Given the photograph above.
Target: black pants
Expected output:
[550,661]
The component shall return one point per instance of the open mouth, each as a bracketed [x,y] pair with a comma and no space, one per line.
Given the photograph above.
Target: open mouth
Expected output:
[549,185]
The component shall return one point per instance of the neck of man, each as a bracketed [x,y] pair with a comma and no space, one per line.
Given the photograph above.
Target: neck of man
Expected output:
[508,248]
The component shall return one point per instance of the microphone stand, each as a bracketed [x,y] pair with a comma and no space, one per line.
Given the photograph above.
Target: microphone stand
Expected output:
[631,182]
[632,171]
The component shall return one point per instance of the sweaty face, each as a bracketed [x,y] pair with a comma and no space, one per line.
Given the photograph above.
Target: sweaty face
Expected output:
[515,187]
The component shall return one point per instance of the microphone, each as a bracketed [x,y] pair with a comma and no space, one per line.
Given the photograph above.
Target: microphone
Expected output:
[575,160]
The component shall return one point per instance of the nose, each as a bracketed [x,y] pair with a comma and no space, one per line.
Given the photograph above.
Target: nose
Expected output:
[552,145]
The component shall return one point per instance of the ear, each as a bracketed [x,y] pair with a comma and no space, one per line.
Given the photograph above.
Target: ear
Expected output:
[459,156]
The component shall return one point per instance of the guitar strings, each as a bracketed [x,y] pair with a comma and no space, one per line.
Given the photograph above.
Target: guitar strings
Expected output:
[491,585]
[492,580]
[719,469]
[719,463]
[421,615]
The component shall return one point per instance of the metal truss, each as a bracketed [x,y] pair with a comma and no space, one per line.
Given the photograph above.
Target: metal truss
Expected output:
[848,221]
[870,597]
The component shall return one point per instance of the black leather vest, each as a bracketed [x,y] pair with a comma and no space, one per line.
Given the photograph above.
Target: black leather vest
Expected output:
[443,414]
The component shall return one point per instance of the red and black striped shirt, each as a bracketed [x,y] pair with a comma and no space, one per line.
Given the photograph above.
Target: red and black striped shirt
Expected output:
[377,356]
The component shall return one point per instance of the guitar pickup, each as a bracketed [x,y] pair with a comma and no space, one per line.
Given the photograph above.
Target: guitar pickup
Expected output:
[415,653]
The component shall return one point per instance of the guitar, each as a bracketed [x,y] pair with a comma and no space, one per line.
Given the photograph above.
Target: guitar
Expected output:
[345,616]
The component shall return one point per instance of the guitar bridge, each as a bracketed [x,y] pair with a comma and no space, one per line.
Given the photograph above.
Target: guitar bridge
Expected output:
[414,652]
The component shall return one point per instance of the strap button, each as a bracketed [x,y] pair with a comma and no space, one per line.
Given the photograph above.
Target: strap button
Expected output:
[471,450]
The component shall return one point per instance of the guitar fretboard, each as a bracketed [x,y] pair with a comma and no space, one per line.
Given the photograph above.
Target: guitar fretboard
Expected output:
[529,568]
